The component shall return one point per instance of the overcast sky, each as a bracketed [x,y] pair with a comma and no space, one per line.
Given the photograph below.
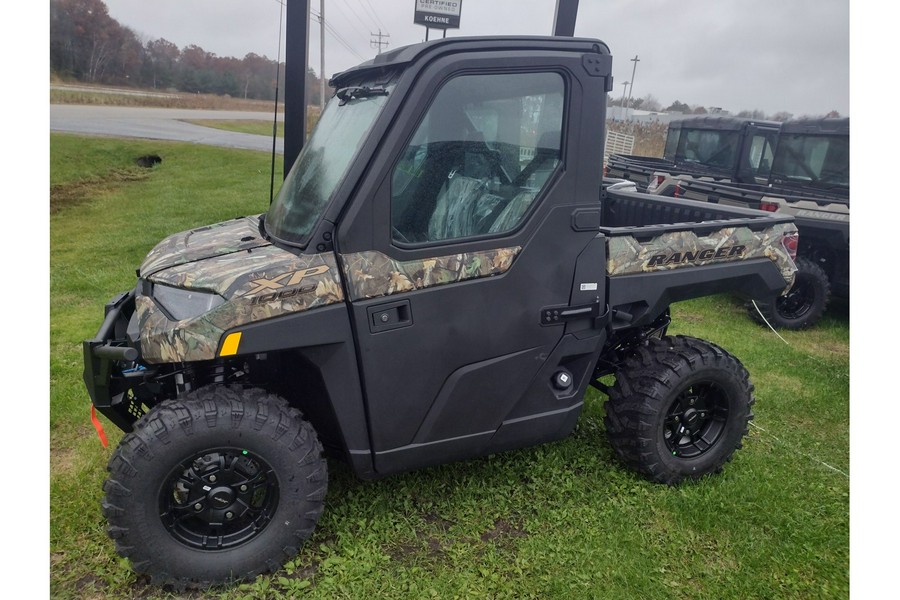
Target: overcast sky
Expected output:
[772,55]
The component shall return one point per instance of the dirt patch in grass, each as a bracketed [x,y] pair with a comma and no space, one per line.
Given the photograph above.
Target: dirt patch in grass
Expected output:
[63,461]
[501,531]
[307,572]
[67,195]
[90,586]
[438,521]
[407,552]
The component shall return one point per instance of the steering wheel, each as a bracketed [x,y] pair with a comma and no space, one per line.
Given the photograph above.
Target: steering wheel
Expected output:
[493,157]
[398,236]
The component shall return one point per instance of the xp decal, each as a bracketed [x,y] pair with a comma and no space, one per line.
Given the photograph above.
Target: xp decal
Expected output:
[285,280]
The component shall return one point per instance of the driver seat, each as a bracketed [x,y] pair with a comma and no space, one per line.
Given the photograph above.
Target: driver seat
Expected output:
[462,207]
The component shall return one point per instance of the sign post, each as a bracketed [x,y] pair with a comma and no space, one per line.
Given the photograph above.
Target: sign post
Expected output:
[438,14]
[296,59]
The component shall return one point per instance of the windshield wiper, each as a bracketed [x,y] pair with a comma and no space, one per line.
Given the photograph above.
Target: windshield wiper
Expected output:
[352,93]
[263,233]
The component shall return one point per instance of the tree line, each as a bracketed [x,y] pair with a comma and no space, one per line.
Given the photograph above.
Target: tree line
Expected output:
[652,104]
[88,45]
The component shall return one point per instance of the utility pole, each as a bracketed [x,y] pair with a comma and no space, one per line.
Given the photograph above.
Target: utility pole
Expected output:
[622,104]
[321,55]
[635,60]
[381,44]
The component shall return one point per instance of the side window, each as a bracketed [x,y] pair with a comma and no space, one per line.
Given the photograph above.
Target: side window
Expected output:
[761,154]
[482,154]
[671,149]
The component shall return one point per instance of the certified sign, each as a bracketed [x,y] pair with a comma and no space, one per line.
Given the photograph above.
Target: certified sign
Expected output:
[438,14]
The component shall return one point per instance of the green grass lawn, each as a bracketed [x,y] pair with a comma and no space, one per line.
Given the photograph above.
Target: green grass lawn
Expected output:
[563,520]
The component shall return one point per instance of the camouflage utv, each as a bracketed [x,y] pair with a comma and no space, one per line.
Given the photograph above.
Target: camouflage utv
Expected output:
[442,276]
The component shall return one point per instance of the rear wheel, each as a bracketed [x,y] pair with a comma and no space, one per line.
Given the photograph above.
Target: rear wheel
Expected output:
[220,486]
[679,409]
[802,306]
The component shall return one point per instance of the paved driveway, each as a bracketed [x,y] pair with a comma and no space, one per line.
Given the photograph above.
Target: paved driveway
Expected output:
[161,124]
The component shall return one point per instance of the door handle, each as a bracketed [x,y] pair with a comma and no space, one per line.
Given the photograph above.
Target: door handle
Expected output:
[391,315]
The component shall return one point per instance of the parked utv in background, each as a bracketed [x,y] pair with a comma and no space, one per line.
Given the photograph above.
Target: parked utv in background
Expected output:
[810,180]
[718,148]
[442,276]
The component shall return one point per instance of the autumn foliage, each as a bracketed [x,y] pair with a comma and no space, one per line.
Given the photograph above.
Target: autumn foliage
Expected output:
[88,45]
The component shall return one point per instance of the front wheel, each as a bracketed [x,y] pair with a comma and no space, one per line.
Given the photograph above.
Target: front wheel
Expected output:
[679,409]
[217,487]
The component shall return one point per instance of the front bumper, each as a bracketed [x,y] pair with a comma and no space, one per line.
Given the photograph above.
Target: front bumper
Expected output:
[110,365]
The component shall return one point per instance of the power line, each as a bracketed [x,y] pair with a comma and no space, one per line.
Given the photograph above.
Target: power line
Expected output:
[374,15]
[337,36]
[361,32]
[356,13]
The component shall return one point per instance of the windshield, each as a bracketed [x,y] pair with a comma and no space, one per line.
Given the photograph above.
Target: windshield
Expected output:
[821,160]
[324,161]
[709,147]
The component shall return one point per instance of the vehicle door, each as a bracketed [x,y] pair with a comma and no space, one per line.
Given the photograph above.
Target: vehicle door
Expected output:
[468,226]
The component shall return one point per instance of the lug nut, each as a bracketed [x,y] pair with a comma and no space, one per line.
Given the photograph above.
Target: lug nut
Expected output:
[243,488]
[229,515]
[693,400]
[212,478]
[198,506]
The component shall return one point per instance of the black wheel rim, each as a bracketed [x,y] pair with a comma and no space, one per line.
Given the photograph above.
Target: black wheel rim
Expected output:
[218,499]
[797,302]
[696,420]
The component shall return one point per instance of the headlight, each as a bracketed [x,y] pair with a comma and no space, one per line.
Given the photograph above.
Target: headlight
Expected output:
[185,304]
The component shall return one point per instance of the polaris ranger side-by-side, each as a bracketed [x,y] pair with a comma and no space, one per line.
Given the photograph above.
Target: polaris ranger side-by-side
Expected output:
[441,276]
[715,148]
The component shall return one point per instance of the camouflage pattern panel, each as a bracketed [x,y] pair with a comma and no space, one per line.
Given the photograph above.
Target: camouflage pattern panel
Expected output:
[680,249]
[203,242]
[372,274]
[257,284]
[251,272]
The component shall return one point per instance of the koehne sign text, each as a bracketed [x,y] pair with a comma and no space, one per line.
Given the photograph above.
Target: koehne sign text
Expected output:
[439,14]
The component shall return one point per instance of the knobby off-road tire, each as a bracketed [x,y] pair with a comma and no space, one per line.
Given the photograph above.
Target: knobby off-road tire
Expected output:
[217,487]
[679,409]
[802,306]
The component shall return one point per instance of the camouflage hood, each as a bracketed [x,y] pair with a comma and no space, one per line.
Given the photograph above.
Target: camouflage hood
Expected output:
[205,242]
[257,279]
